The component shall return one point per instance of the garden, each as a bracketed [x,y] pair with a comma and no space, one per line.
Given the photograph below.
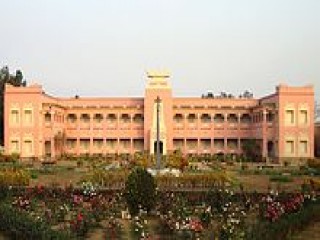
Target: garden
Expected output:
[104,202]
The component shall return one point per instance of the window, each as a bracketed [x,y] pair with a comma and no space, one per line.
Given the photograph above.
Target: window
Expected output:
[232,144]
[111,143]
[125,118]
[71,143]
[219,118]
[192,144]
[289,117]
[98,143]
[219,143]
[192,118]
[178,143]
[84,144]
[111,118]
[303,147]
[178,118]
[232,118]
[138,118]
[28,147]
[14,146]
[303,117]
[47,117]
[28,116]
[290,147]
[14,116]
[138,144]
[206,144]
[245,118]
[85,118]
[125,143]
[98,118]
[205,118]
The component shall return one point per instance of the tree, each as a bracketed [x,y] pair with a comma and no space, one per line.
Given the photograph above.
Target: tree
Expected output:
[316,111]
[140,191]
[250,149]
[15,80]
[142,159]
[176,160]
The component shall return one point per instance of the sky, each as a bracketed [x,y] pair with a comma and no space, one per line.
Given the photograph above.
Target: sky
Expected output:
[104,48]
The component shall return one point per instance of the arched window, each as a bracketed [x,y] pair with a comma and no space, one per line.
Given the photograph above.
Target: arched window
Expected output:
[178,118]
[192,118]
[98,117]
[219,118]
[85,118]
[111,118]
[125,118]
[138,118]
[71,118]
[245,118]
[232,118]
[47,117]
[205,118]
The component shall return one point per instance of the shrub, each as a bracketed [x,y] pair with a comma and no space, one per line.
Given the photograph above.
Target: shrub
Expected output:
[280,178]
[314,163]
[14,177]
[140,191]
[34,175]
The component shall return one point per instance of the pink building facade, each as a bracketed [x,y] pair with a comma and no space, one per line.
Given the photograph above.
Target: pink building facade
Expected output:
[38,125]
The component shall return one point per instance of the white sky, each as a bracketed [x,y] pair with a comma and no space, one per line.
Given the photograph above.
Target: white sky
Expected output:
[103,48]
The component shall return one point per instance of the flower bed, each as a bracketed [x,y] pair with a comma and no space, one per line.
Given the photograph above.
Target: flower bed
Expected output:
[14,177]
[287,224]
[100,202]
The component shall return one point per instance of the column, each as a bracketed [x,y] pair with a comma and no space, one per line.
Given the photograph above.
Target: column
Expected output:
[264,135]
[53,150]
[78,146]
[131,146]
[212,145]
[239,145]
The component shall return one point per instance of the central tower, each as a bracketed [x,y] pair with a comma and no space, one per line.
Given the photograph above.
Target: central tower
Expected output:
[158,89]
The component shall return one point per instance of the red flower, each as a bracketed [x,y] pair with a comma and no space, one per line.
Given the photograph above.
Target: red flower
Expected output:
[79,217]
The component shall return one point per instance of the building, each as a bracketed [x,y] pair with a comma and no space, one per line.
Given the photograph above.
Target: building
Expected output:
[38,125]
[317,139]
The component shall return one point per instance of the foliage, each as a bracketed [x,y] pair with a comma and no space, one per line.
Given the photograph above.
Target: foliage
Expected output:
[142,159]
[18,225]
[104,178]
[287,225]
[314,163]
[15,80]
[176,160]
[190,180]
[12,158]
[140,191]
[280,178]
[250,149]
[14,177]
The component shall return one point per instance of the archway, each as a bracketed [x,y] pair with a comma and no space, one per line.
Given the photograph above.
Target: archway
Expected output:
[155,147]
[270,149]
